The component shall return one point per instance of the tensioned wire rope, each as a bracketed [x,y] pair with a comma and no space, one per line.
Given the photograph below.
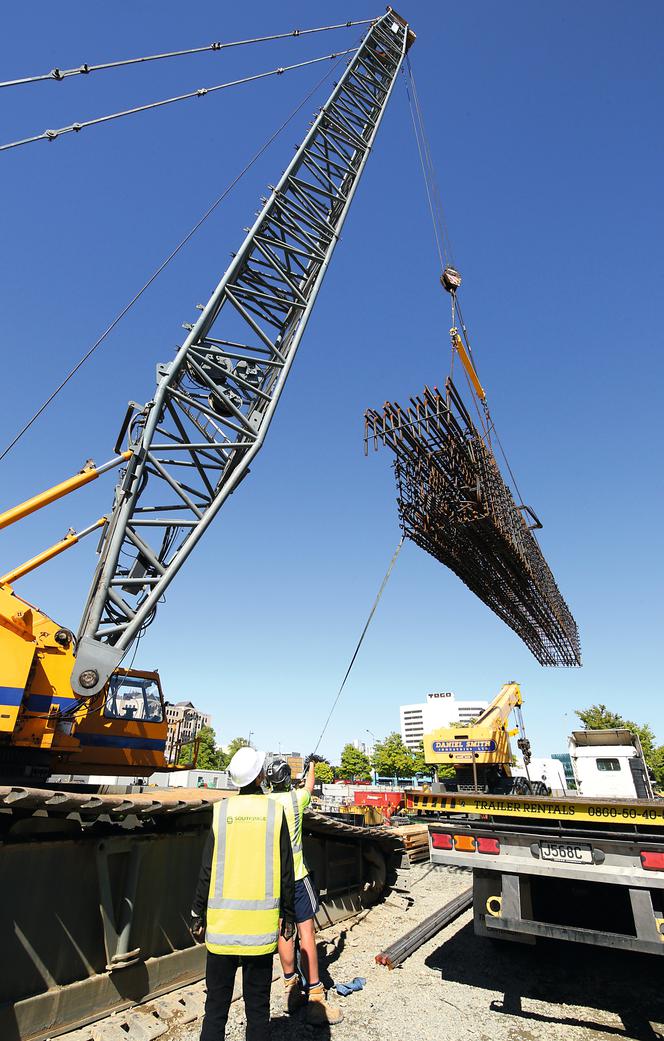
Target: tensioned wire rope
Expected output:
[83,70]
[74,128]
[444,248]
[361,640]
[174,252]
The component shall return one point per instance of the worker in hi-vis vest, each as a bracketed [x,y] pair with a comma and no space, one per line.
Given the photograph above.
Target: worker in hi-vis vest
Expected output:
[310,990]
[244,898]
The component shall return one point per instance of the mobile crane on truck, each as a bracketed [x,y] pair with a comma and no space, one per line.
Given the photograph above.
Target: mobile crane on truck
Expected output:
[480,751]
[589,870]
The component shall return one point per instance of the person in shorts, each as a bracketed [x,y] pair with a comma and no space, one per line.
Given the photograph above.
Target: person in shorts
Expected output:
[310,990]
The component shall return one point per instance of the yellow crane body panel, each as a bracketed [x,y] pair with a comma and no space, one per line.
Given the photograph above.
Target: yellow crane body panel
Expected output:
[122,730]
[449,745]
[482,743]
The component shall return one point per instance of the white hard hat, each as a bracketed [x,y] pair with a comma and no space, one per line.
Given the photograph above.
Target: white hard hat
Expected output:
[246,765]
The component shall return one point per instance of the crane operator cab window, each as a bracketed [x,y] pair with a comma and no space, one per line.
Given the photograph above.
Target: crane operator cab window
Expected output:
[134,697]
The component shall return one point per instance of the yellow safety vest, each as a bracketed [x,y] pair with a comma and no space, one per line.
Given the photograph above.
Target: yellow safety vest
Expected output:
[291,807]
[245,882]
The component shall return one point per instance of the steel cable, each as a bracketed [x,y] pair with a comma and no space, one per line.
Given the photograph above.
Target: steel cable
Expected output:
[51,135]
[443,241]
[361,639]
[155,274]
[83,70]
[443,246]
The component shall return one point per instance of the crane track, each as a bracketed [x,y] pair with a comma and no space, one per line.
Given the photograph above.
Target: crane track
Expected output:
[87,807]
[103,884]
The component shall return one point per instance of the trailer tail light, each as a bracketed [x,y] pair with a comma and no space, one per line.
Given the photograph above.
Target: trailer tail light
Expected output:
[440,841]
[652,861]
[464,843]
[488,845]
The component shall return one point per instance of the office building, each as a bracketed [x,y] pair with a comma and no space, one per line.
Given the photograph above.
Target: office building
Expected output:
[185,721]
[439,710]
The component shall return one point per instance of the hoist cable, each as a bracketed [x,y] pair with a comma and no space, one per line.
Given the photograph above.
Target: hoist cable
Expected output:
[361,639]
[442,237]
[85,69]
[51,135]
[155,274]
[441,232]
[447,241]
[426,182]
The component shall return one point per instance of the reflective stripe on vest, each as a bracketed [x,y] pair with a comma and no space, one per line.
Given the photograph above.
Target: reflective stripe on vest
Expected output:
[297,828]
[291,807]
[245,881]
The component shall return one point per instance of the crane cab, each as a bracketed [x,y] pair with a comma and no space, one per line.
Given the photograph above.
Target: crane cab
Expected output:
[45,728]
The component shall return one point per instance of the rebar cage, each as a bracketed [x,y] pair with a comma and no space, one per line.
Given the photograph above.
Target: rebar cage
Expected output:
[454,503]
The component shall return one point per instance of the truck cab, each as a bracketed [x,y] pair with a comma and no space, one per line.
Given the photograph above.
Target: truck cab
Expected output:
[609,764]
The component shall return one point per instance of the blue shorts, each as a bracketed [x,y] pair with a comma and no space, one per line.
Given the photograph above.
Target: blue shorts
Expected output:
[306,900]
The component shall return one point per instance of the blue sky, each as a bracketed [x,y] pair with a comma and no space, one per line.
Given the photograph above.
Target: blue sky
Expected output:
[545,126]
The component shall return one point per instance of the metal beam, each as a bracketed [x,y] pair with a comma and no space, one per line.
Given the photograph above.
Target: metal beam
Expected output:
[206,394]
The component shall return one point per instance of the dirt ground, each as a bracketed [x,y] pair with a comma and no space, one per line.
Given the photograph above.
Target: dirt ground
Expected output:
[460,986]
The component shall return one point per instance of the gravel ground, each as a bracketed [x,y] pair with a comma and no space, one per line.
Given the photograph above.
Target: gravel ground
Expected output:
[459,985]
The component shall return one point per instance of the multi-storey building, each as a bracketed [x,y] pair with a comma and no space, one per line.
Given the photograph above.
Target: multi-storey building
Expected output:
[186,722]
[439,710]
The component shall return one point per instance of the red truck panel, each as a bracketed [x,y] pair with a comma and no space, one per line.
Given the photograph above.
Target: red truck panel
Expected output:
[377,798]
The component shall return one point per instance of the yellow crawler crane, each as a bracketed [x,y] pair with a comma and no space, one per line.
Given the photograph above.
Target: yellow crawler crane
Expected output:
[45,727]
[481,753]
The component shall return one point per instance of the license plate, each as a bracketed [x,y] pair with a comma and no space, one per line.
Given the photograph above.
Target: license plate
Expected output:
[567,852]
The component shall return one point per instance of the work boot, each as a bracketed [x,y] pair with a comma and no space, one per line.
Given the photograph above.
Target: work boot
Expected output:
[319,1012]
[295,999]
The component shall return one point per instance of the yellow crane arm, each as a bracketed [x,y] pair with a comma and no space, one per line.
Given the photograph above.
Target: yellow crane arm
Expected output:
[90,472]
[70,539]
[508,697]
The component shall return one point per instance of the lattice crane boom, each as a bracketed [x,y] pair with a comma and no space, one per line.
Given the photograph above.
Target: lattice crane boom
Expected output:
[194,441]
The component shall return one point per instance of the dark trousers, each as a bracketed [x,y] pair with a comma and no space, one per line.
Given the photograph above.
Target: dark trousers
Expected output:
[256,982]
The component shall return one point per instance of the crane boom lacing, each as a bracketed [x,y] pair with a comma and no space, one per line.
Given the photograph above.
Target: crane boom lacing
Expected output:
[194,441]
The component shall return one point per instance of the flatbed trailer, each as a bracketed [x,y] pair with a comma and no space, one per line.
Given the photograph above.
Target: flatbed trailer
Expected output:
[585,870]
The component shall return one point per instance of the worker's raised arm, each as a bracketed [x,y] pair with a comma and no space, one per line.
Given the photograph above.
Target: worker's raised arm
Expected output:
[287,901]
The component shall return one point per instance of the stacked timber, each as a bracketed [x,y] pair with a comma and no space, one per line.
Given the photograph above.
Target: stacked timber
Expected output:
[415,838]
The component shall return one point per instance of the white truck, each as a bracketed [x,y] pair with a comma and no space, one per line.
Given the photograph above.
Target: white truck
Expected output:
[609,764]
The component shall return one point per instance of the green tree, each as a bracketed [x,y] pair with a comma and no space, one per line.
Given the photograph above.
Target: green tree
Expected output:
[599,717]
[420,765]
[324,773]
[354,765]
[223,759]
[646,736]
[445,770]
[208,755]
[235,745]
[656,764]
[392,758]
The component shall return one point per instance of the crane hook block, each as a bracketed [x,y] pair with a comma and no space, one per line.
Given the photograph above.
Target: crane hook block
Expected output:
[450,279]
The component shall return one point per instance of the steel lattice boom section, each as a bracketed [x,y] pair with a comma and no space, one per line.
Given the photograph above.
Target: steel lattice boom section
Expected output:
[195,440]
[454,503]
